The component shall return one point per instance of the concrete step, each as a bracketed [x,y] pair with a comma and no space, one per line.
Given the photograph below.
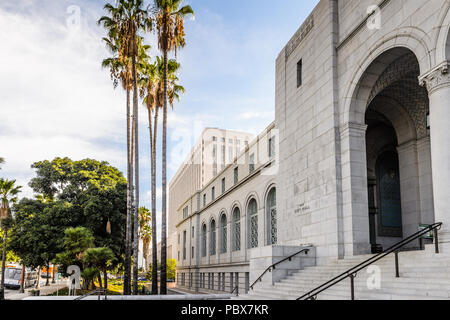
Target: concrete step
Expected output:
[423,275]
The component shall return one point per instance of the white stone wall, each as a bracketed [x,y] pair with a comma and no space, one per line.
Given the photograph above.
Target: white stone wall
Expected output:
[322,185]
[250,185]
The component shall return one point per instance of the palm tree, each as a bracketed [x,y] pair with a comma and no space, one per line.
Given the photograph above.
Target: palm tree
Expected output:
[2,160]
[124,23]
[145,232]
[152,89]
[170,28]
[8,195]
[120,69]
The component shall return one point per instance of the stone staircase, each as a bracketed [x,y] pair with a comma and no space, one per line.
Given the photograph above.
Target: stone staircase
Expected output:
[424,275]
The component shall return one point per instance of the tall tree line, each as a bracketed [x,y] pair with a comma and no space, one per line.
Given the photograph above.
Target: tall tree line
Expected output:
[127,22]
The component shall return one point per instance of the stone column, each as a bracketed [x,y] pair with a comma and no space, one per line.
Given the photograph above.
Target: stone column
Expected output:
[437,82]
[354,189]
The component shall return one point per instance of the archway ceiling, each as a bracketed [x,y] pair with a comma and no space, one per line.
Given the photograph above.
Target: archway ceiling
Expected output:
[399,82]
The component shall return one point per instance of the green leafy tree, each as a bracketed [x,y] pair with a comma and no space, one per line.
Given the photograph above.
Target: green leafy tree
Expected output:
[8,195]
[36,233]
[171,268]
[86,193]
[2,161]
[100,258]
[171,36]
[76,242]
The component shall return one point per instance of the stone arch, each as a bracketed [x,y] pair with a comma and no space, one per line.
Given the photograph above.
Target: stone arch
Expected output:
[223,211]
[236,227]
[270,214]
[370,68]
[443,39]
[235,204]
[250,196]
[386,84]
[398,117]
[252,217]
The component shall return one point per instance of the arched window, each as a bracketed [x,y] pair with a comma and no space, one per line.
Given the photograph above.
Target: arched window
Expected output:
[204,240]
[271,206]
[212,242]
[252,212]
[223,231]
[236,229]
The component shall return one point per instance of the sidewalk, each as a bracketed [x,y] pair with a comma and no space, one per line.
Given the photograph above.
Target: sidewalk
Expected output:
[45,290]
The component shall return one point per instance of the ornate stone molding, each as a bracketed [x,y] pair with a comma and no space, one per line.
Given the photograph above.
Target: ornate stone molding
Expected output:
[350,128]
[437,78]
[298,37]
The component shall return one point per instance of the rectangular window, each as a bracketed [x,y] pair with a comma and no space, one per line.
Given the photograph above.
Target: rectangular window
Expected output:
[193,233]
[223,156]
[184,245]
[204,200]
[223,185]
[299,73]
[236,175]
[213,193]
[192,252]
[252,163]
[272,147]
[230,154]
[185,212]
[214,138]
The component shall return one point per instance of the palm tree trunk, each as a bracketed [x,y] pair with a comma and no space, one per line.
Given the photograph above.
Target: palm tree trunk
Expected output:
[99,278]
[53,274]
[164,187]
[105,276]
[153,186]
[127,273]
[2,284]
[47,283]
[154,231]
[38,284]
[136,172]
[22,279]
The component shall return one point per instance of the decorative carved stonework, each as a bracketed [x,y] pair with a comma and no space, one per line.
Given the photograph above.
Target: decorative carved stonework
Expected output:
[437,78]
[299,36]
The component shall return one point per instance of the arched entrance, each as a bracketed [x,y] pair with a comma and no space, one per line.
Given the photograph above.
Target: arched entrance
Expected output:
[397,149]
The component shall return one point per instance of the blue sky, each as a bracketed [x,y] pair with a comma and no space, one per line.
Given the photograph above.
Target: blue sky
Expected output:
[55,100]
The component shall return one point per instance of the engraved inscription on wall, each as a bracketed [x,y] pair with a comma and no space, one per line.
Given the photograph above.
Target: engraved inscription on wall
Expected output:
[299,35]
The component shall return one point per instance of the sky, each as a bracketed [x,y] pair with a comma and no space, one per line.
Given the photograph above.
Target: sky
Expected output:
[57,101]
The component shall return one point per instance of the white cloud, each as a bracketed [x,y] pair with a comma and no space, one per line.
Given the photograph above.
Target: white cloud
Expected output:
[55,99]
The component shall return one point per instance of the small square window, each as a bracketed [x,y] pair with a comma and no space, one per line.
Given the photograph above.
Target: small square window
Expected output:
[299,73]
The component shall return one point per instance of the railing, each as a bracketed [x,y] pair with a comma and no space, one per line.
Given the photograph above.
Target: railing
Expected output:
[97,291]
[352,273]
[272,267]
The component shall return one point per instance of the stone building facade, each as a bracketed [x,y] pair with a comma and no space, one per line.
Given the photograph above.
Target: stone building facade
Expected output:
[215,149]
[362,114]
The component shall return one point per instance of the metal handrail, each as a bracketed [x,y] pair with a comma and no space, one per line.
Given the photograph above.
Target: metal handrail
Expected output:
[272,267]
[97,291]
[352,272]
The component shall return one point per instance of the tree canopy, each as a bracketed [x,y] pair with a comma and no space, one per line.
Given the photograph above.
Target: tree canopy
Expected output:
[70,194]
